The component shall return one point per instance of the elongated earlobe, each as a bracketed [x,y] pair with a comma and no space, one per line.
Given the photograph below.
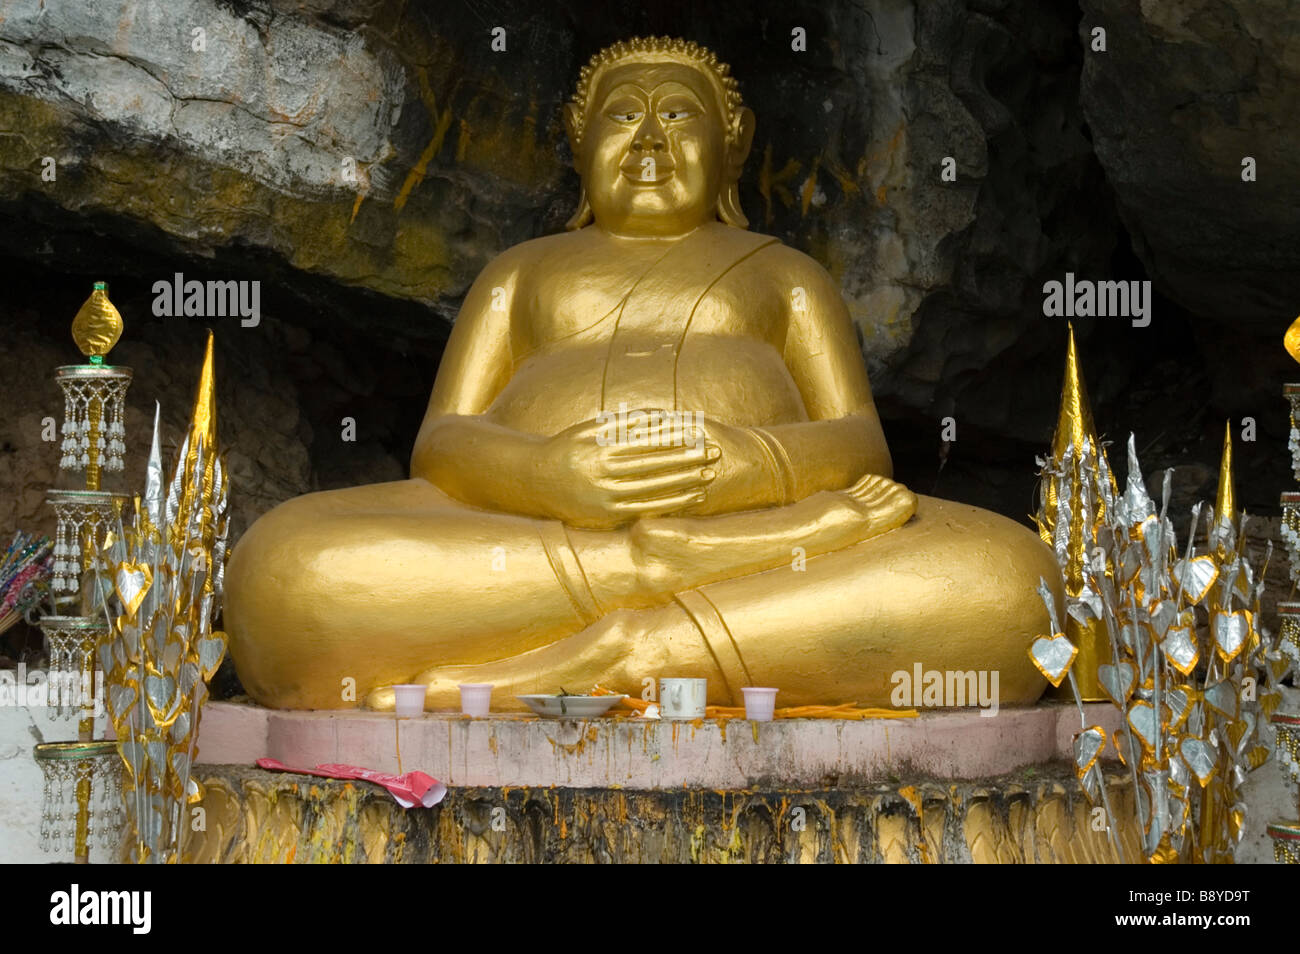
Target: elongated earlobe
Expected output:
[584,214]
[729,207]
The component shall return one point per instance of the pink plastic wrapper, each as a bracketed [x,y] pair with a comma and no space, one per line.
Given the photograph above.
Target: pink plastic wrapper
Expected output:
[411,789]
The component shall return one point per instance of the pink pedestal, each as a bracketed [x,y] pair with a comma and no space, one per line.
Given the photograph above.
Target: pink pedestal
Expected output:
[510,750]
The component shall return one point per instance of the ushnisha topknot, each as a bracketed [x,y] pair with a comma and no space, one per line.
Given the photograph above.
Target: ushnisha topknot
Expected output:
[675,48]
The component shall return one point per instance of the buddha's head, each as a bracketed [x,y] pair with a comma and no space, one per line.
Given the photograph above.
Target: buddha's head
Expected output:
[659,137]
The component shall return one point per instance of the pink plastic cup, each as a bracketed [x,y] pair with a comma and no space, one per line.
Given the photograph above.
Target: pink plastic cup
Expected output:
[760,703]
[475,698]
[408,699]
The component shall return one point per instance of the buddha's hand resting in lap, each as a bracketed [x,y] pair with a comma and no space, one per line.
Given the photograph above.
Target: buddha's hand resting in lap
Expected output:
[745,478]
[588,478]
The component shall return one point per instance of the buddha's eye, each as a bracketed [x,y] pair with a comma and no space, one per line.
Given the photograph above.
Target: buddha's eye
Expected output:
[672,114]
[627,115]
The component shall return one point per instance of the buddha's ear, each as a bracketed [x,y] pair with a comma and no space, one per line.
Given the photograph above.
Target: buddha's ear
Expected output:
[583,215]
[742,138]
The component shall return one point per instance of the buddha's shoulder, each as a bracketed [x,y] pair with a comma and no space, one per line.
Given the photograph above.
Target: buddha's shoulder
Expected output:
[777,255]
[538,256]
[780,264]
[518,258]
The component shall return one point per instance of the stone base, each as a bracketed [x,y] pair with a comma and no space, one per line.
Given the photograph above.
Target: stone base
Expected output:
[516,751]
[1037,816]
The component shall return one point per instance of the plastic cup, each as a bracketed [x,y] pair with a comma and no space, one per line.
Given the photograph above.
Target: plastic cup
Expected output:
[760,703]
[409,699]
[475,698]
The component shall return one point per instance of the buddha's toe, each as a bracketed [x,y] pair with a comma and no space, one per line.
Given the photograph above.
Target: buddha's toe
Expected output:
[883,503]
[382,699]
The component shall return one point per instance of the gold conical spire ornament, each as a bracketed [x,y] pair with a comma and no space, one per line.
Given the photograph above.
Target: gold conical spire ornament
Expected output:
[199,461]
[1225,501]
[1074,422]
[1076,480]
[98,325]
[203,422]
[1223,528]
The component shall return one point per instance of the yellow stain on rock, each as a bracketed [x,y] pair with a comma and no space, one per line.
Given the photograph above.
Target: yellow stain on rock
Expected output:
[879,164]
[809,189]
[462,141]
[416,175]
[848,185]
[769,182]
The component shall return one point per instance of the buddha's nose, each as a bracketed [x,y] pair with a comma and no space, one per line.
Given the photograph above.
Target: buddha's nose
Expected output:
[650,136]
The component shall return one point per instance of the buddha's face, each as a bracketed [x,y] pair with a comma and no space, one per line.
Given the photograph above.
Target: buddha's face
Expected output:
[654,149]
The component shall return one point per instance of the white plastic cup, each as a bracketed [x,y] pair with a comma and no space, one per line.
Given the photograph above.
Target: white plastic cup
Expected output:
[760,703]
[408,699]
[475,698]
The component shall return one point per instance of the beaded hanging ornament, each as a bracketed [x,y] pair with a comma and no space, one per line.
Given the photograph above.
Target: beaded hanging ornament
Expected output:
[65,766]
[93,410]
[70,645]
[83,517]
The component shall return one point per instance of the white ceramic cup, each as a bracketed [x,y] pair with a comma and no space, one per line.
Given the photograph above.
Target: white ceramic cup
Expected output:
[760,703]
[475,698]
[408,699]
[682,698]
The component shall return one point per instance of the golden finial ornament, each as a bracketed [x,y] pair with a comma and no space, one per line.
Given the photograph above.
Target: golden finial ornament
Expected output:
[1291,340]
[98,325]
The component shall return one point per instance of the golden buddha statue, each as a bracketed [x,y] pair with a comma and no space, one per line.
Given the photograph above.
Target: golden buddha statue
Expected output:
[742,527]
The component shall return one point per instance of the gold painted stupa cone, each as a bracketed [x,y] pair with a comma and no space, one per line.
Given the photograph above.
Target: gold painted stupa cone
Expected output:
[97,325]
[1074,427]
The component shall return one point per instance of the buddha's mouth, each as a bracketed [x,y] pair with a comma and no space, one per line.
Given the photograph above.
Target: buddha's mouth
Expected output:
[635,173]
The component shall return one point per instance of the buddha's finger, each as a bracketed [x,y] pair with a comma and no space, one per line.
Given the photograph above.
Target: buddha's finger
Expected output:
[656,439]
[659,485]
[597,431]
[656,461]
[670,504]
